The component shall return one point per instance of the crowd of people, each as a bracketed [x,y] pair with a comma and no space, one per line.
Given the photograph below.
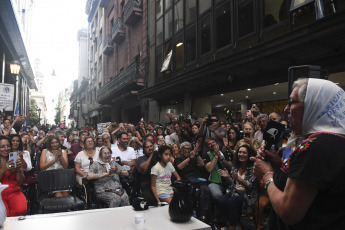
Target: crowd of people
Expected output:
[227,160]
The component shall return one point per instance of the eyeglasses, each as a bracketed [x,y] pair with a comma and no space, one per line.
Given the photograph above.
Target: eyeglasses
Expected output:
[106,153]
[88,142]
[188,149]
[290,103]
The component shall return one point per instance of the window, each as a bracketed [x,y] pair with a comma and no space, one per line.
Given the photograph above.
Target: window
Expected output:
[275,11]
[167,50]
[190,44]
[245,17]
[159,32]
[158,63]
[178,19]
[167,4]
[168,25]
[205,35]
[190,10]
[223,26]
[179,57]
[204,5]
[159,8]
[100,63]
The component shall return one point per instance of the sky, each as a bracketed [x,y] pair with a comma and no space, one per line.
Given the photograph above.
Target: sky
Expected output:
[55,25]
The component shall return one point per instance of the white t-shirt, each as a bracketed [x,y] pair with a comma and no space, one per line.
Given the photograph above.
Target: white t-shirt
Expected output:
[84,161]
[127,155]
[163,182]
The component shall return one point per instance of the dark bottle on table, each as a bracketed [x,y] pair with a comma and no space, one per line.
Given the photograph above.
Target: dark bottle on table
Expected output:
[180,208]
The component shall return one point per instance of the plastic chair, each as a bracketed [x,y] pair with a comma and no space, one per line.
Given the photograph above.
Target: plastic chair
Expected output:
[56,180]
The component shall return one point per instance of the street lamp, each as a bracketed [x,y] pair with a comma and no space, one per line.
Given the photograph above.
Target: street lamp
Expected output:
[78,107]
[15,68]
[39,116]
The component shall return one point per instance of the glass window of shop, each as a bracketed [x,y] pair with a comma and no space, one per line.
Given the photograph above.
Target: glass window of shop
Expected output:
[204,5]
[275,11]
[223,25]
[179,56]
[245,17]
[178,16]
[190,11]
[167,49]
[159,8]
[168,24]
[190,44]
[205,34]
[158,65]
[167,4]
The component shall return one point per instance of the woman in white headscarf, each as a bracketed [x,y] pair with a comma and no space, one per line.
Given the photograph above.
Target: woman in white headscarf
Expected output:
[308,190]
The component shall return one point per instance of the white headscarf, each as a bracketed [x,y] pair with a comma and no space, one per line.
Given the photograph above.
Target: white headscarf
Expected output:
[324,108]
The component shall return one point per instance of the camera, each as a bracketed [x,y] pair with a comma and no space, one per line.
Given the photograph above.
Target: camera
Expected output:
[209,120]
[247,135]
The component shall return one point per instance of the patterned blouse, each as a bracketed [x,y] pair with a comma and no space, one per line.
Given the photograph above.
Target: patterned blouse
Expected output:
[105,183]
[251,194]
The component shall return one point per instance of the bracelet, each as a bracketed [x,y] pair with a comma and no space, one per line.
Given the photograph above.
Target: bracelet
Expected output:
[267,174]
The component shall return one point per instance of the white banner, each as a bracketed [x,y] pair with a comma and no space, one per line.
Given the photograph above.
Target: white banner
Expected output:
[102,126]
[6,96]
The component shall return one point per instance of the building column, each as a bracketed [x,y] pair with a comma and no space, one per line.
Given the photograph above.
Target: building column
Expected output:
[153,110]
[187,105]
[201,106]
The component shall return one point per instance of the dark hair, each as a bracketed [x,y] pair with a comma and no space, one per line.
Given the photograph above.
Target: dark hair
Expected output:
[147,135]
[214,115]
[50,139]
[83,131]
[2,137]
[88,137]
[162,149]
[238,134]
[197,125]
[251,153]
[119,134]
[20,148]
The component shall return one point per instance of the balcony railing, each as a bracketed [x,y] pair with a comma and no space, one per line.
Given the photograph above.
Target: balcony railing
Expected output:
[118,30]
[108,47]
[132,11]
[123,79]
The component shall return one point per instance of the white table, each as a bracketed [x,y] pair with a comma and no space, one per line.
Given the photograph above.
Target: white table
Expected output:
[99,219]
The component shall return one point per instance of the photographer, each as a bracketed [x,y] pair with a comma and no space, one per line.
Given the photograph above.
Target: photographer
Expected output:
[212,130]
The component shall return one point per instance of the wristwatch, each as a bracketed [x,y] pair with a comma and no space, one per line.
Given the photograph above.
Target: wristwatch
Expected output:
[267,183]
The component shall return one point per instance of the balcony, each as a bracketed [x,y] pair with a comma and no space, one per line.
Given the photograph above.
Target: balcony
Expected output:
[126,81]
[132,12]
[108,47]
[118,31]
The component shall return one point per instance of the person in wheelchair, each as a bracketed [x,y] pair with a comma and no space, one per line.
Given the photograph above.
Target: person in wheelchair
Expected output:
[106,174]
[188,166]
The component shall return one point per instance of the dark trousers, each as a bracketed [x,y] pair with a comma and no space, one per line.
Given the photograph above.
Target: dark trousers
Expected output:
[232,206]
[205,202]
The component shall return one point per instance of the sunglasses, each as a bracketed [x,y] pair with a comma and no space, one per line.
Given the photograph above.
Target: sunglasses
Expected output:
[91,161]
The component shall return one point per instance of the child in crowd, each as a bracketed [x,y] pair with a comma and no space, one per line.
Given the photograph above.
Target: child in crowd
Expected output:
[161,176]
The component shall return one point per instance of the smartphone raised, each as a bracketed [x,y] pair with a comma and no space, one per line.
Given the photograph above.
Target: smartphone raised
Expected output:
[13,156]
[246,134]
